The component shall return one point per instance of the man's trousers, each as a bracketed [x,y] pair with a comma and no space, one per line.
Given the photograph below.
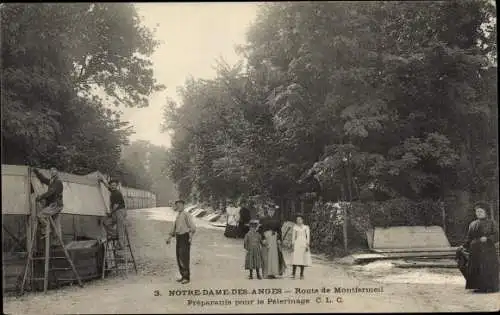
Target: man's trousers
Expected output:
[182,251]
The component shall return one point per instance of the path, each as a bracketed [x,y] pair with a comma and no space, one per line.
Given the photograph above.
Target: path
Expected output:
[217,264]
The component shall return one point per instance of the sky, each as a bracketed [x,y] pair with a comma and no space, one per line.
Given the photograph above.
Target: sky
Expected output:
[193,36]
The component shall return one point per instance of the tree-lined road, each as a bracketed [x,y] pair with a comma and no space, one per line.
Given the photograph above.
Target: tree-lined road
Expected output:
[217,263]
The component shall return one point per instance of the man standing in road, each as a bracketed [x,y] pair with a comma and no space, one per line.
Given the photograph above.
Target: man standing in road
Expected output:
[183,231]
[117,215]
[53,200]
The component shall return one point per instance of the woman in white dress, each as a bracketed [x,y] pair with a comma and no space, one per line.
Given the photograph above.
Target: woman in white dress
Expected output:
[301,237]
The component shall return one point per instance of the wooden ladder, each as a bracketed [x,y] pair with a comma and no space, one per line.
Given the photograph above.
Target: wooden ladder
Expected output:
[46,258]
[117,260]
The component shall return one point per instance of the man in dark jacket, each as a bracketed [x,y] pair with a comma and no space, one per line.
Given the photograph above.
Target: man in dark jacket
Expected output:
[117,215]
[53,199]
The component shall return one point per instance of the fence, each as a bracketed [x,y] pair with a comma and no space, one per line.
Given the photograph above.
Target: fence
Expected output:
[137,199]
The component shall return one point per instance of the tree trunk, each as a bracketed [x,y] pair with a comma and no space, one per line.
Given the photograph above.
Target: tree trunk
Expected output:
[224,205]
[346,210]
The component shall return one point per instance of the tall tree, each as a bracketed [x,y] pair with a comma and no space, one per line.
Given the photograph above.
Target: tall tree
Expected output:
[53,57]
[396,96]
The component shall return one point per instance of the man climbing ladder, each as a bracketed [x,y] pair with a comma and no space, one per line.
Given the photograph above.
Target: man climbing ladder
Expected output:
[118,214]
[53,200]
[48,217]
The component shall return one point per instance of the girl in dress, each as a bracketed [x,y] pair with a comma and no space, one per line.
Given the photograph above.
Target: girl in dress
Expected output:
[301,238]
[253,246]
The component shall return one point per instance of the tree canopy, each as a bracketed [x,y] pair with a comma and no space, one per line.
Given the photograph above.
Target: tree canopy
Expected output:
[54,59]
[143,165]
[400,94]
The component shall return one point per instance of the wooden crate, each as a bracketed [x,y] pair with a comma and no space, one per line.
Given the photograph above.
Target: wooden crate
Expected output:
[86,256]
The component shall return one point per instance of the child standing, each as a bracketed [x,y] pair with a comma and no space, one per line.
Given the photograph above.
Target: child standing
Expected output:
[253,246]
[301,237]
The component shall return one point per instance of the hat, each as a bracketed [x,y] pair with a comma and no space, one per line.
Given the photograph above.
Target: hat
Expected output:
[180,201]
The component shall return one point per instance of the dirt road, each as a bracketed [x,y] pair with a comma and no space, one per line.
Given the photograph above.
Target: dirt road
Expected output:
[217,263]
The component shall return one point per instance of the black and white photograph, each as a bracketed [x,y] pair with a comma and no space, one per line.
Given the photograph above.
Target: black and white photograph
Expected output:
[249,157]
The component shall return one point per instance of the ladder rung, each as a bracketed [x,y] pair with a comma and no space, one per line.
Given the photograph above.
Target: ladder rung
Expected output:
[71,279]
[120,263]
[43,258]
[60,268]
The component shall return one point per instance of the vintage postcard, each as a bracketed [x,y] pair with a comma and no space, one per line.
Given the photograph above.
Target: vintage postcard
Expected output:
[249,157]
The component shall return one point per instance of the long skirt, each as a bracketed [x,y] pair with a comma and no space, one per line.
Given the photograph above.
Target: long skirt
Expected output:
[253,258]
[482,268]
[273,262]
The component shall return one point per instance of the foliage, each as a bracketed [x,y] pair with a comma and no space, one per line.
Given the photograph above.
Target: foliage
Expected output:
[378,101]
[326,224]
[144,166]
[53,57]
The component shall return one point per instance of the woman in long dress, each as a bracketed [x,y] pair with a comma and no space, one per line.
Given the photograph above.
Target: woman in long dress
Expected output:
[482,267]
[273,261]
[301,237]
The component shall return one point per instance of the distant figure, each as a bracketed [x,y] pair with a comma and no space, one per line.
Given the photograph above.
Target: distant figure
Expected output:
[253,211]
[53,200]
[482,266]
[183,231]
[253,246]
[274,263]
[243,221]
[118,215]
[301,238]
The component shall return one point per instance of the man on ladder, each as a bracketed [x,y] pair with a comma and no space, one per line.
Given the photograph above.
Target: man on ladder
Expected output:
[48,217]
[117,216]
[53,200]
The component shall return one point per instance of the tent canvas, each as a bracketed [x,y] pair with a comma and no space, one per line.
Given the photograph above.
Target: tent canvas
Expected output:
[15,190]
[410,237]
[104,191]
[86,203]
[81,195]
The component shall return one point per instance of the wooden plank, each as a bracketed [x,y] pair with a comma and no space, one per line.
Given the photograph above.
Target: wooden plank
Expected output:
[415,250]
[419,255]
[360,258]
[443,263]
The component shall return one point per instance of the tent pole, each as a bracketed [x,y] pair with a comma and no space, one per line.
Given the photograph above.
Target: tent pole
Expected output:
[29,209]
